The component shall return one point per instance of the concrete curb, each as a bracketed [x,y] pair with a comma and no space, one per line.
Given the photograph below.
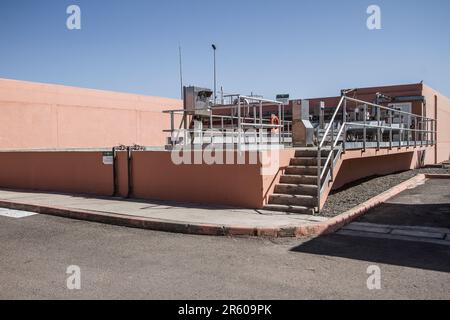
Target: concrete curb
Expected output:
[314,229]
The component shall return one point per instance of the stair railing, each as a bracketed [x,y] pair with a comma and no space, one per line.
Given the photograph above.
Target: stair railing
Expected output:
[322,170]
[423,128]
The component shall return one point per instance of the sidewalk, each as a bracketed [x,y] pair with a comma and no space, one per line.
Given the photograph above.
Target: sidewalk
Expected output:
[189,218]
[159,215]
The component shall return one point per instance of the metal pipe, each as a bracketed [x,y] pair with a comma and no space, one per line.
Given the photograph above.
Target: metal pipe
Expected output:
[332,151]
[279,129]
[332,120]
[344,120]
[409,127]
[239,123]
[364,128]
[379,129]
[390,129]
[415,132]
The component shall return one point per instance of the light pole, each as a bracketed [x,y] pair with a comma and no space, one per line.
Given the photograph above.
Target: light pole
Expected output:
[215,84]
[181,71]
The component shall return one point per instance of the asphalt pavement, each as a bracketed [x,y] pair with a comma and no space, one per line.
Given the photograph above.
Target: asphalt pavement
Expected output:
[124,263]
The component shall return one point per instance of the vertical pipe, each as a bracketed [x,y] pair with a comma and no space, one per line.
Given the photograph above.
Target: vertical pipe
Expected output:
[282,122]
[279,122]
[255,122]
[172,127]
[260,122]
[400,132]
[415,131]
[332,151]
[364,127]
[239,123]
[344,120]
[390,129]
[378,129]
[421,130]
[215,83]
[409,127]
[319,163]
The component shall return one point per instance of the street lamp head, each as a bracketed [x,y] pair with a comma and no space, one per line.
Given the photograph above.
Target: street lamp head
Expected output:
[214,46]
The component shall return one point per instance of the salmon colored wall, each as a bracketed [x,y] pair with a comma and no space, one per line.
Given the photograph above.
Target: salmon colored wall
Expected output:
[67,172]
[155,176]
[439,105]
[357,165]
[36,115]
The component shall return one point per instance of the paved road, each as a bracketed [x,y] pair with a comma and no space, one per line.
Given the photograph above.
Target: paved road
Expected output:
[120,263]
[427,205]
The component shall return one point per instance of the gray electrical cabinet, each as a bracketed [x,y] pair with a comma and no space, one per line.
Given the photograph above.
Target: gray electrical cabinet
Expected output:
[197,100]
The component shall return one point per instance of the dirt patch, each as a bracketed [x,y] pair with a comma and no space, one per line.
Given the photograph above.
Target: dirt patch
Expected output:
[360,191]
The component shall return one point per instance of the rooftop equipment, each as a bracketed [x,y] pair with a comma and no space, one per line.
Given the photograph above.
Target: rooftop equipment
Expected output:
[197,100]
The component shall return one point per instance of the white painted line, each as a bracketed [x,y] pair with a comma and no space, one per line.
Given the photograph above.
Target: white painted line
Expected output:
[17,214]
[372,228]
[391,237]
[418,234]
[400,227]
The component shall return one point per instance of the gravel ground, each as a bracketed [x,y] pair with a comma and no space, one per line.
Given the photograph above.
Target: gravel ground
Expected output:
[358,192]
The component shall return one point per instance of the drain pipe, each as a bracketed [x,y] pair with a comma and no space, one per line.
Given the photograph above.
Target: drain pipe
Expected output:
[130,150]
[114,151]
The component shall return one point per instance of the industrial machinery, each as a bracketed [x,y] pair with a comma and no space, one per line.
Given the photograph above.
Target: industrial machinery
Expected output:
[302,128]
[238,120]
[197,101]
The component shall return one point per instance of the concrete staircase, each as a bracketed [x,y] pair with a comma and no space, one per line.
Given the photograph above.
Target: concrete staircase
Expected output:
[297,190]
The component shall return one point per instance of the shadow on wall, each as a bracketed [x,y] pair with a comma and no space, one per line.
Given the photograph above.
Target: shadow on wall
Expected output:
[392,252]
[420,160]
[359,168]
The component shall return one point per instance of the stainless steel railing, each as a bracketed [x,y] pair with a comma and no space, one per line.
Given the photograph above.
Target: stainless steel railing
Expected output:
[239,108]
[423,132]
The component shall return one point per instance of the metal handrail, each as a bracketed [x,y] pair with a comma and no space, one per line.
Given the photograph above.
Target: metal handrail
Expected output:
[242,119]
[321,172]
[331,122]
[322,169]
[387,108]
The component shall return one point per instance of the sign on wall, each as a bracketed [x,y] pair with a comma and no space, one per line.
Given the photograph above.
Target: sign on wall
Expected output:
[108,158]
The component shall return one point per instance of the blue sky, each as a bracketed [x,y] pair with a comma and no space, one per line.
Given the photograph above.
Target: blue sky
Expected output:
[305,48]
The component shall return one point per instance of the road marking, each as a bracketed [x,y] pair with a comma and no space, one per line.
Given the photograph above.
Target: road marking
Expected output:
[419,234]
[397,232]
[16,214]
[391,237]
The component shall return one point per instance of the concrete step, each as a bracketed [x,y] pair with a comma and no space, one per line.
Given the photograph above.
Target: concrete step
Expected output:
[293,200]
[306,161]
[299,179]
[292,209]
[303,189]
[310,153]
[301,170]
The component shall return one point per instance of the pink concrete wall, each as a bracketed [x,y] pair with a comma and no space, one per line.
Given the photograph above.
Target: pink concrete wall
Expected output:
[155,176]
[67,172]
[357,165]
[438,106]
[36,115]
